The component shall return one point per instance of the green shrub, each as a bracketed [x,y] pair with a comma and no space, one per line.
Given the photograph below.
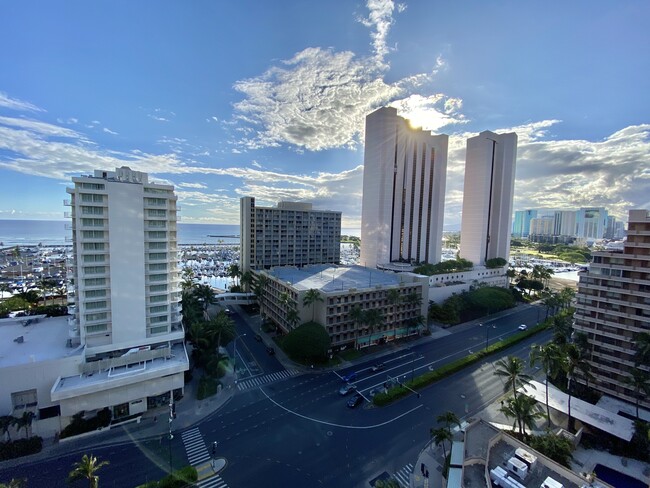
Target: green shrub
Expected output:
[495,263]
[207,387]
[20,447]
[181,478]
[80,425]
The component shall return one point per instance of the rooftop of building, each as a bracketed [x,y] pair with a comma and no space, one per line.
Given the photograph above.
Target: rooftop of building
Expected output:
[43,339]
[330,278]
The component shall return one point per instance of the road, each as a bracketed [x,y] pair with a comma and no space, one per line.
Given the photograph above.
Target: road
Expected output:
[299,432]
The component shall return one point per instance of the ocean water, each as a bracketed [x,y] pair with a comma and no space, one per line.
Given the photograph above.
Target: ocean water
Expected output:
[53,233]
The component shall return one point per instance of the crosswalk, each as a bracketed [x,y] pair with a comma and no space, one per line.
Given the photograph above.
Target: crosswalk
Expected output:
[403,476]
[267,378]
[195,448]
[197,454]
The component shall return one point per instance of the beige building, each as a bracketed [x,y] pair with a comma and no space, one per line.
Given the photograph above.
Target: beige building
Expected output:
[613,306]
[341,289]
[291,234]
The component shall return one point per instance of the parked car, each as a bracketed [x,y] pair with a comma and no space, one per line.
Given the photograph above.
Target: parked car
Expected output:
[378,367]
[355,401]
[349,377]
[345,389]
[270,350]
[258,338]
[523,327]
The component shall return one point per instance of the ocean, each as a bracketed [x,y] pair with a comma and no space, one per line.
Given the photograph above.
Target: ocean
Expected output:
[54,233]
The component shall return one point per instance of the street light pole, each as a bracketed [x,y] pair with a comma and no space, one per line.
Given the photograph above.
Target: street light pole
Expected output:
[487,333]
[171,436]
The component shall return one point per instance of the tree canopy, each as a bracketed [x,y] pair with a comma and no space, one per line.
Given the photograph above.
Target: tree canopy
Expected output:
[307,343]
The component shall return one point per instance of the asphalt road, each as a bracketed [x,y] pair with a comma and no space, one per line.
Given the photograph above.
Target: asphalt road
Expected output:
[299,431]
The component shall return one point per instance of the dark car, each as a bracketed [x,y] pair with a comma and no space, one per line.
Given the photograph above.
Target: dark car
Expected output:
[378,367]
[270,350]
[258,338]
[349,377]
[345,389]
[355,401]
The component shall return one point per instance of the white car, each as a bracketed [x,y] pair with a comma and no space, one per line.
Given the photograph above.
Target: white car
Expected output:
[523,327]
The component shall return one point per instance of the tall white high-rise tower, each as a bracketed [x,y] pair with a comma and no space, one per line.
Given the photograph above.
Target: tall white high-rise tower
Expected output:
[487,197]
[403,191]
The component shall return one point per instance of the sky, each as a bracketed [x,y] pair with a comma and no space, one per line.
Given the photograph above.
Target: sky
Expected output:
[268,99]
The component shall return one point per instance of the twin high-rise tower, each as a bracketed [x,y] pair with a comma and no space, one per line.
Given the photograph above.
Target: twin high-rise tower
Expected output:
[404,191]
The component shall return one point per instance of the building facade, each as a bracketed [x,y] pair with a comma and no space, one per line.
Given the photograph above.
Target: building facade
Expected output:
[591,223]
[125,294]
[487,197]
[403,191]
[400,298]
[521,225]
[291,234]
[613,307]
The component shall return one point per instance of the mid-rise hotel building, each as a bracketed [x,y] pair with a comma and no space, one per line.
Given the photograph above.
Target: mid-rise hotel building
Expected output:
[291,234]
[487,197]
[403,191]
[613,307]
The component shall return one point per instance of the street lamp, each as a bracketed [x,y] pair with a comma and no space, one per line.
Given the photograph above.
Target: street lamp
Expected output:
[234,361]
[487,333]
[172,414]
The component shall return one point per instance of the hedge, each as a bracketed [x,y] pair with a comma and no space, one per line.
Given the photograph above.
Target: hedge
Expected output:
[20,447]
[181,478]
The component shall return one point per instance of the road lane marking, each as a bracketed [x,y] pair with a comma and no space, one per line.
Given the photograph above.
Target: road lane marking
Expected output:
[324,422]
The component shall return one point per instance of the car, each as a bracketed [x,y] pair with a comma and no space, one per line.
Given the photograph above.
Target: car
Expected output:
[355,401]
[270,350]
[523,327]
[258,338]
[228,311]
[378,367]
[345,389]
[349,377]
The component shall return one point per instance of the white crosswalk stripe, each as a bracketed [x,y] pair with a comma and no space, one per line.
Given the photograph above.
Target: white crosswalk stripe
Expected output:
[212,482]
[267,378]
[195,448]
[403,476]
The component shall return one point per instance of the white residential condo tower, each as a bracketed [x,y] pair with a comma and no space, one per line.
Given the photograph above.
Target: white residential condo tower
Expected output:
[487,197]
[403,191]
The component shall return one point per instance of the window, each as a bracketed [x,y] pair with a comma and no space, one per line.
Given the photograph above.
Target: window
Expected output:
[93,329]
[156,288]
[158,298]
[155,212]
[92,198]
[158,277]
[92,222]
[95,293]
[91,317]
[159,329]
[23,399]
[95,305]
[94,258]
[93,234]
[158,309]
[95,282]
[92,186]
[94,269]
[157,245]
[92,210]
[157,255]
[157,234]
[159,319]
[157,223]
[93,246]
[158,202]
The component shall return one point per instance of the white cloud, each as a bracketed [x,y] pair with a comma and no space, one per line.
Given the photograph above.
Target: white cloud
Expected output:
[108,131]
[380,19]
[19,105]
[191,185]
[256,164]
[430,113]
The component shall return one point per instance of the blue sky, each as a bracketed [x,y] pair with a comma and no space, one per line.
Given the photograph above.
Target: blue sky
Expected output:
[227,99]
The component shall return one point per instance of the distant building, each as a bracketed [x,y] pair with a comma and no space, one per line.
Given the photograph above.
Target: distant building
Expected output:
[542,226]
[291,234]
[341,289]
[613,307]
[122,347]
[521,225]
[403,191]
[591,223]
[565,223]
[487,197]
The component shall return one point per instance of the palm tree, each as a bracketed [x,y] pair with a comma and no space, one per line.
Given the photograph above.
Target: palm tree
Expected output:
[357,315]
[567,295]
[14,483]
[639,380]
[512,369]
[221,327]
[561,329]
[642,346]
[87,469]
[205,295]
[440,436]
[46,285]
[373,318]
[551,302]
[522,410]
[188,279]
[24,422]
[448,419]
[573,363]
[4,288]
[292,317]
[394,298]
[6,421]
[551,360]
[260,287]
[246,280]
[511,273]
[233,271]
[311,297]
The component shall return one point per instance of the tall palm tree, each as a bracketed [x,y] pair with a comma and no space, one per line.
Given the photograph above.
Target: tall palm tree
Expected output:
[188,279]
[205,295]
[234,271]
[551,302]
[373,318]
[567,295]
[440,436]
[259,289]
[551,360]
[358,316]
[562,329]
[642,346]
[246,280]
[394,297]
[522,410]
[573,363]
[448,419]
[87,469]
[6,421]
[221,328]
[309,300]
[512,370]
[639,380]
[292,317]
